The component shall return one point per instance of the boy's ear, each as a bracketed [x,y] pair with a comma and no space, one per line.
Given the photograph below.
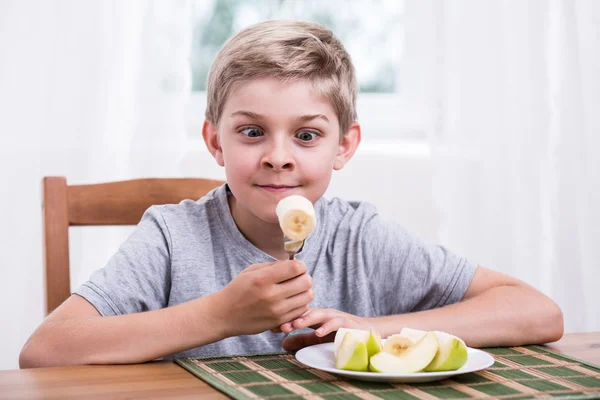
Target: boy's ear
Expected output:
[211,139]
[348,145]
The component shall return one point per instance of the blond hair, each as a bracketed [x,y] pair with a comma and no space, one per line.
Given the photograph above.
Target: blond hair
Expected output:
[286,50]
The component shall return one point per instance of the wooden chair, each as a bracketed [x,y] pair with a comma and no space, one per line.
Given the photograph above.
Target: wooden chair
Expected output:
[112,203]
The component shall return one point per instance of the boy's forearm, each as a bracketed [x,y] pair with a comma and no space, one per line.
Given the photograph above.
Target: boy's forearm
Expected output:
[125,339]
[502,316]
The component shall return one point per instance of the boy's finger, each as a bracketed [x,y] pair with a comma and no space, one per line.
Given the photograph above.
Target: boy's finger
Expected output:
[293,314]
[330,326]
[312,318]
[300,285]
[286,328]
[284,270]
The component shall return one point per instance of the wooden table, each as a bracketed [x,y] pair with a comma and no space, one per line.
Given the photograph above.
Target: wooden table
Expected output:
[168,380]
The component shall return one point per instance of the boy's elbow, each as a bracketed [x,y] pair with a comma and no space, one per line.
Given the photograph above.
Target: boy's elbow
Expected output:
[29,356]
[558,326]
[552,329]
[36,352]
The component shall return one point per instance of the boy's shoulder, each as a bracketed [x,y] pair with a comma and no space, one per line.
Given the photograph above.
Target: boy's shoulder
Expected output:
[190,211]
[360,219]
[340,212]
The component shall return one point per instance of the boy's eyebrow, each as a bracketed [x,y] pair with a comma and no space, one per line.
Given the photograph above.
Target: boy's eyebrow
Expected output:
[310,117]
[249,114]
[303,118]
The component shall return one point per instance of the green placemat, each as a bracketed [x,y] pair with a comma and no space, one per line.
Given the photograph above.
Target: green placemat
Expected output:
[519,373]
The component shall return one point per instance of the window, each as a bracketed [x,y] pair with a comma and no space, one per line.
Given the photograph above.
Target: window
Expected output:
[373,32]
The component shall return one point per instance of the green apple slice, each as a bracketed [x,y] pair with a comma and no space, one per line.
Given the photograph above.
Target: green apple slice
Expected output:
[414,359]
[359,334]
[452,354]
[373,343]
[352,354]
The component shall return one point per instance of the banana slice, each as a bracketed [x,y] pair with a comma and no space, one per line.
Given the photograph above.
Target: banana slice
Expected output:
[296,216]
[397,344]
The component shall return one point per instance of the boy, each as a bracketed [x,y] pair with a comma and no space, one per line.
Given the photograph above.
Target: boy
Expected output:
[203,278]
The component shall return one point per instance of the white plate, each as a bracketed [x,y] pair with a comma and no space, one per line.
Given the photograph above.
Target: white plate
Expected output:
[321,357]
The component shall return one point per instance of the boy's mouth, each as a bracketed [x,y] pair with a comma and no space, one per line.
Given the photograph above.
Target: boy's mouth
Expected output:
[276,188]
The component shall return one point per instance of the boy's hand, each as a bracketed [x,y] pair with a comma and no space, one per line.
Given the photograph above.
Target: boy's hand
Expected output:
[264,296]
[325,321]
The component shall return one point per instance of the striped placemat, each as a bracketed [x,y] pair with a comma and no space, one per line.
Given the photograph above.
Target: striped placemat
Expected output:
[528,372]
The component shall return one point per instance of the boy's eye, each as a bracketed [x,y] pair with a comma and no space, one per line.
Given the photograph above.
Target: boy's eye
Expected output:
[251,132]
[307,136]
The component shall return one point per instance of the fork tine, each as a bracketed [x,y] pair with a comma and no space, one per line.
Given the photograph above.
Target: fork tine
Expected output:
[292,247]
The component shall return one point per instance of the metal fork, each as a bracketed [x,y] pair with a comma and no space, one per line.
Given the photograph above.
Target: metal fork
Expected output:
[292,246]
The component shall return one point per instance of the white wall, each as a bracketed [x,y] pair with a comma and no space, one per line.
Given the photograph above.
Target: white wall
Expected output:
[20,234]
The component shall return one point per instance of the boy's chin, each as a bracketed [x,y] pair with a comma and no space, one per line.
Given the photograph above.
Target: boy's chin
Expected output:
[259,211]
[268,218]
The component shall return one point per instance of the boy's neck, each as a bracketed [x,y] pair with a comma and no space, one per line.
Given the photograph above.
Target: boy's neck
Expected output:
[264,236]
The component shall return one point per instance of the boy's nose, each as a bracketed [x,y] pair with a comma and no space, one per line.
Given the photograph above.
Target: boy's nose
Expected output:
[278,157]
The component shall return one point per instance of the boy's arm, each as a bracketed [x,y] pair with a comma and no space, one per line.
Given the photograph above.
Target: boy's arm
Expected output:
[75,333]
[496,310]
[259,298]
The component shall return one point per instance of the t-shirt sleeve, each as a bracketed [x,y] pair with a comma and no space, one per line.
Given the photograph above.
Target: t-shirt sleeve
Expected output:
[137,277]
[407,274]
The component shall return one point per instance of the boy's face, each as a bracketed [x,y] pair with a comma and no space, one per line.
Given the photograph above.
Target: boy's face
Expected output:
[276,139]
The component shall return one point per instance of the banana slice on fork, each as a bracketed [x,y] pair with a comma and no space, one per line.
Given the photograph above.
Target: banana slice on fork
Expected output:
[297,220]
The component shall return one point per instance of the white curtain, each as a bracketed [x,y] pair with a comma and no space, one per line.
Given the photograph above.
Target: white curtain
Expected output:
[90,90]
[515,101]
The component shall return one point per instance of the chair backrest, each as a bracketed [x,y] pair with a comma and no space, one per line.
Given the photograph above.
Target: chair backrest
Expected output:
[111,203]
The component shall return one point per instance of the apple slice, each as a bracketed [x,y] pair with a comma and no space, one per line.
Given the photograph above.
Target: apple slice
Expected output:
[373,343]
[413,334]
[415,359]
[371,338]
[352,354]
[452,354]
[359,334]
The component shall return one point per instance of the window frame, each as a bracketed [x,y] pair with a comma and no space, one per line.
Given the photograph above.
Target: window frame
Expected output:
[389,121]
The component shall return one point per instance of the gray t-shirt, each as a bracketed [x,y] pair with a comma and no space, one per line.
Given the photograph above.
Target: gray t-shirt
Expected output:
[360,264]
